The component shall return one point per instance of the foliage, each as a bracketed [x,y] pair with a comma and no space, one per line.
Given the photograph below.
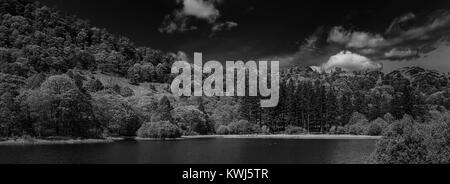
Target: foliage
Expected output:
[403,144]
[224,114]
[159,130]
[126,92]
[341,130]
[117,116]
[190,119]
[376,127]
[293,130]
[36,38]
[93,85]
[409,142]
[389,118]
[357,118]
[265,130]
[163,111]
[57,85]
[223,130]
[59,108]
[357,128]
[240,127]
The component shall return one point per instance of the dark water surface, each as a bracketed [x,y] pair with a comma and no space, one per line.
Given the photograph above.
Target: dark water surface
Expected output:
[196,151]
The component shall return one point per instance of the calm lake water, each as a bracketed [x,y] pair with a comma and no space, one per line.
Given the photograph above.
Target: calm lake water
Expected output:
[196,151]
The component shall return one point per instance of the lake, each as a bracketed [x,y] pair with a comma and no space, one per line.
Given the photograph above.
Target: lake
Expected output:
[196,151]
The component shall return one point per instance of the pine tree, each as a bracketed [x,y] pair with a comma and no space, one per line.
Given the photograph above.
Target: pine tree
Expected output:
[332,109]
[291,113]
[346,108]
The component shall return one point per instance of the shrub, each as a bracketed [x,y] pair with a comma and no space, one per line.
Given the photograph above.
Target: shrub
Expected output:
[126,92]
[374,130]
[402,144]
[146,105]
[389,118]
[115,88]
[265,130]
[256,129]
[224,114]
[377,127]
[240,127]
[333,130]
[341,130]
[357,118]
[357,129]
[190,119]
[36,80]
[116,114]
[159,130]
[93,85]
[223,130]
[293,130]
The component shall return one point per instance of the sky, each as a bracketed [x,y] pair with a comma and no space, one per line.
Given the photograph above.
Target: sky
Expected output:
[351,34]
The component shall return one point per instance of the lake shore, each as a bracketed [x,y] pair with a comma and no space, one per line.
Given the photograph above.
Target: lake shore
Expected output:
[35,141]
[284,136]
[26,142]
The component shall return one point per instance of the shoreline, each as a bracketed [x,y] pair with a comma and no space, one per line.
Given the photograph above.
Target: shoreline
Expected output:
[27,142]
[31,142]
[285,136]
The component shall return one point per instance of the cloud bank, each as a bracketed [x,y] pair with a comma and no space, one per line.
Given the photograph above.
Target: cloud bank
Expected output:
[407,37]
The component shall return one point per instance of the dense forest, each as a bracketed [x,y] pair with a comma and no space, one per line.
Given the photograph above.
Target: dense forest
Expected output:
[61,77]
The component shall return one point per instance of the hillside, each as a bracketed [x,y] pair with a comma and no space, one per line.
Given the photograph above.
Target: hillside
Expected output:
[36,39]
[60,76]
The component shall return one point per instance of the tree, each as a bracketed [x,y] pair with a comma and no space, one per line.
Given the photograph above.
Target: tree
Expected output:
[117,116]
[403,144]
[190,119]
[223,130]
[159,130]
[57,85]
[163,111]
[93,85]
[389,118]
[331,109]
[357,118]
[77,116]
[377,127]
[240,127]
[345,109]
[225,114]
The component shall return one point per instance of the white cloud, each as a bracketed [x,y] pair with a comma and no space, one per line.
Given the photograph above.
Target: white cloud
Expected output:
[349,61]
[180,20]
[356,39]
[201,9]
[399,54]
[224,26]
[181,56]
[407,37]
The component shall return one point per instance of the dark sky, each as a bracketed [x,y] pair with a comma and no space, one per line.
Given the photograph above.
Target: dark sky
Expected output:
[264,29]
